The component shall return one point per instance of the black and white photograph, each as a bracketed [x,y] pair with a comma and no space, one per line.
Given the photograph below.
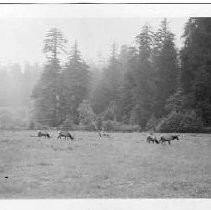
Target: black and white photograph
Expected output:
[105,101]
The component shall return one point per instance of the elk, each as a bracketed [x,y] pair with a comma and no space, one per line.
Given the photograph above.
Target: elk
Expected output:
[65,134]
[103,134]
[43,133]
[168,138]
[152,139]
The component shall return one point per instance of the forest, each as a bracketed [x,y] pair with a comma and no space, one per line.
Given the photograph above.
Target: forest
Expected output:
[151,85]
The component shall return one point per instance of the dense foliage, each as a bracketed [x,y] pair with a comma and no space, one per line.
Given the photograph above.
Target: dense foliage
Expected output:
[196,67]
[150,85]
[136,84]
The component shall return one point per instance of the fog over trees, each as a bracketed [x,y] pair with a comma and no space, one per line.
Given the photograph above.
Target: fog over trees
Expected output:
[150,85]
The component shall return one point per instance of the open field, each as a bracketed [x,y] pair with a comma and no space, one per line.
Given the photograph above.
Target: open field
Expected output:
[123,166]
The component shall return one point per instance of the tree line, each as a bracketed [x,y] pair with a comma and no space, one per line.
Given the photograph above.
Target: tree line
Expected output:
[16,84]
[151,85]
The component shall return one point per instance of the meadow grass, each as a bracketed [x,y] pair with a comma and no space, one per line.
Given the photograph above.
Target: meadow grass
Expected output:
[122,166]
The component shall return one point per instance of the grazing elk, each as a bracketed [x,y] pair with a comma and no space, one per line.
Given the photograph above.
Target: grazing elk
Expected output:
[168,138]
[45,134]
[152,139]
[65,134]
[103,134]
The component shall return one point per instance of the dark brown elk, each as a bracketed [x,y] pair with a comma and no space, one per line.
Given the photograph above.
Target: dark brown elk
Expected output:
[43,133]
[103,134]
[65,134]
[152,139]
[168,138]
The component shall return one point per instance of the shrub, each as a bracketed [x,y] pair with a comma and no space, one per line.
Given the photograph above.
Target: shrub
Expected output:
[82,127]
[32,125]
[190,123]
[110,125]
[90,127]
[86,114]
[129,128]
[12,119]
[207,130]
[99,123]
[171,123]
[152,122]
[38,126]
[180,122]
[67,125]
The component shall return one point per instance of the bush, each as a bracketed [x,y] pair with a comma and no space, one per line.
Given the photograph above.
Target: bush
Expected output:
[32,125]
[110,125]
[91,127]
[67,125]
[190,123]
[82,127]
[207,130]
[152,122]
[99,123]
[37,126]
[180,122]
[129,128]
[86,114]
[171,123]
[12,119]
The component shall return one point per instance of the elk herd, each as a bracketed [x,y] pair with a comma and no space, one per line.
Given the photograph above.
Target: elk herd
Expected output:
[150,138]
[163,139]
[65,134]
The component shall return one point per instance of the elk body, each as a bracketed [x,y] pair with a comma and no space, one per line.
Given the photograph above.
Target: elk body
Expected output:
[103,134]
[42,133]
[152,139]
[65,134]
[168,138]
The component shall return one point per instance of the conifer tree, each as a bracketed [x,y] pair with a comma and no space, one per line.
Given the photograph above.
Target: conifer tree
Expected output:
[145,87]
[196,63]
[75,84]
[165,66]
[128,86]
[46,93]
[107,94]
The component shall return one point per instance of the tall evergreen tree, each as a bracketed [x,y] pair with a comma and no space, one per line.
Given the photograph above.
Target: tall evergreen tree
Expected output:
[46,93]
[107,95]
[144,90]
[196,64]
[54,44]
[128,86]
[75,84]
[165,65]
[31,75]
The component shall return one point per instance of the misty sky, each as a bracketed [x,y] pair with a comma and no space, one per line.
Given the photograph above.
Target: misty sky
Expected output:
[21,39]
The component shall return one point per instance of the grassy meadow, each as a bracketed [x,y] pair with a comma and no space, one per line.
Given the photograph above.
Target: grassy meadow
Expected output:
[122,166]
